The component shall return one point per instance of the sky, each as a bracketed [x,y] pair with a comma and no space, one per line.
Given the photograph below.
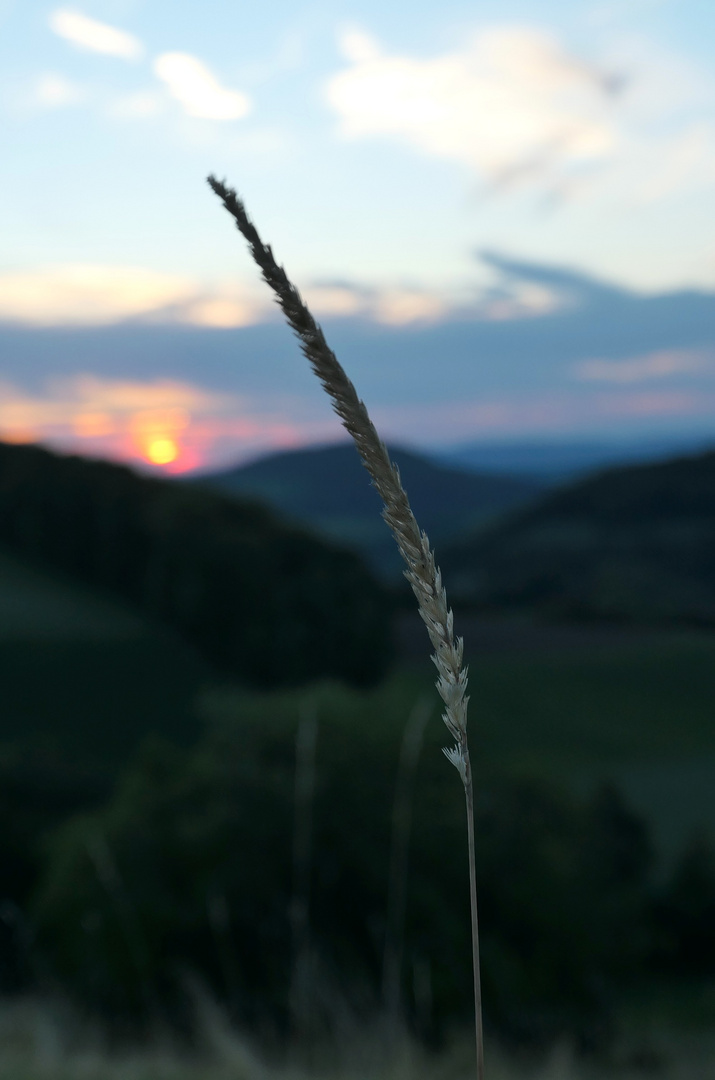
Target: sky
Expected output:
[503,214]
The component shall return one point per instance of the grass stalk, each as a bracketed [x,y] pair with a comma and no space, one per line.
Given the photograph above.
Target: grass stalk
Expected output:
[422,573]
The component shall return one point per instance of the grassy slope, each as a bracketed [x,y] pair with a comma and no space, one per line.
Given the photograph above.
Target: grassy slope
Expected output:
[84,678]
[83,681]
[640,714]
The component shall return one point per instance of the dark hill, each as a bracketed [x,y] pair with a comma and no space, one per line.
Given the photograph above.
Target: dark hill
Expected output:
[327,489]
[260,600]
[635,543]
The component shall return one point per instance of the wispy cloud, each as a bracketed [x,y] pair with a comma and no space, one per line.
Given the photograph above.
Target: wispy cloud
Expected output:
[507,291]
[663,364]
[198,90]
[391,305]
[656,403]
[88,295]
[522,111]
[141,105]
[187,79]
[512,104]
[505,299]
[224,310]
[56,92]
[107,412]
[95,36]
[553,414]
[405,305]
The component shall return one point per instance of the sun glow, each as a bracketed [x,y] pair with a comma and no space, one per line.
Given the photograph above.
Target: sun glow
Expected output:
[162,451]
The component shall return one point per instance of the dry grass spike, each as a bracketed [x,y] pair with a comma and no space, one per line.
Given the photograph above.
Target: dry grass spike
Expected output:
[421,572]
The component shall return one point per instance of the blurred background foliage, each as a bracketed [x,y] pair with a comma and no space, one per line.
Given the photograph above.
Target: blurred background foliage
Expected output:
[150,774]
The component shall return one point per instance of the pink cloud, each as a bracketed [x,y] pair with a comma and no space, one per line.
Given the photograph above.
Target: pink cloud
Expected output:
[546,414]
[656,403]
[177,426]
[172,424]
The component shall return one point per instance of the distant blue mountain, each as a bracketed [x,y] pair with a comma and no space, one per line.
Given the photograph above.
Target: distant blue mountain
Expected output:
[553,462]
[327,489]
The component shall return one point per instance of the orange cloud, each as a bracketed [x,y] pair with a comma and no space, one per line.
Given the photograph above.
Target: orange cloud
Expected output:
[95,295]
[174,425]
[88,295]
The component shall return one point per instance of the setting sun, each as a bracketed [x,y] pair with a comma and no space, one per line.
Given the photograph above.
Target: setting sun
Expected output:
[162,451]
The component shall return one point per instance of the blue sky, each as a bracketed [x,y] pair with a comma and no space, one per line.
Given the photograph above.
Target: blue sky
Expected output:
[504,214]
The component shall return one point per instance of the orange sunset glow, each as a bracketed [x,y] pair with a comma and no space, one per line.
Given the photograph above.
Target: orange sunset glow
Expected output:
[163,425]
[162,451]
[156,434]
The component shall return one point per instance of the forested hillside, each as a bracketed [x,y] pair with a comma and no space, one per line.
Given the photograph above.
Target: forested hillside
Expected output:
[260,600]
[635,543]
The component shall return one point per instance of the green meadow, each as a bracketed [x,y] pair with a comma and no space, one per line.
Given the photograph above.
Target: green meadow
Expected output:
[638,712]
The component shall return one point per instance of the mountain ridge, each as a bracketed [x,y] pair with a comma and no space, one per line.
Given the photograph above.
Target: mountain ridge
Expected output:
[635,543]
[327,489]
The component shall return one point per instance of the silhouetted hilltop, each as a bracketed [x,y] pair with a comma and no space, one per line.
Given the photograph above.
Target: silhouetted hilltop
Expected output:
[634,543]
[260,600]
[327,488]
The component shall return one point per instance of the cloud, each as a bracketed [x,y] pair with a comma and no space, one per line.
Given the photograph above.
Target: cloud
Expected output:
[512,104]
[88,295]
[128,395]
[657,403]
[522,112]
[516,299]
[337,300]
[95,36]
[122,419]
[643,364]
[56,92]
[663,364]
[197,89]
[141,105]
[390,305]
[515,292]
[398,307]
[129,419]
[92,407]
[223,311]
[564,282]
[551,415]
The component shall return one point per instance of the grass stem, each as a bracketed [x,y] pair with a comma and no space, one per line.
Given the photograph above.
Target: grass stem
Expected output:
[422,573]
[479,1033]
